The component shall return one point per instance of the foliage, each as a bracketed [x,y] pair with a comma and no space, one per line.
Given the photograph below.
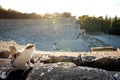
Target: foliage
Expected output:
[57,15]
[66,14]
[115,30]
[47,15]
[90,24]
[12,14]
[107,25]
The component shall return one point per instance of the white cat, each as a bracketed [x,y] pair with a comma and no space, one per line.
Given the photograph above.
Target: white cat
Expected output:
[21,58]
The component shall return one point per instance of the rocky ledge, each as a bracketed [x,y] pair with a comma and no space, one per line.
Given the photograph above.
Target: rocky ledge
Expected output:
[66,66]
[55,71]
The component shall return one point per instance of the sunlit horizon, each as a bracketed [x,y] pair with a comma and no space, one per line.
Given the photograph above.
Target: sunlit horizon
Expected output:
[96,8]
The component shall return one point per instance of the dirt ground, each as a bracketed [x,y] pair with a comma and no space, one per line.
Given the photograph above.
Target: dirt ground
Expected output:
[4,45]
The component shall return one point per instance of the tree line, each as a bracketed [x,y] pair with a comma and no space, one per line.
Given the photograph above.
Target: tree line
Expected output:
[12,14]
[90,24]
[100,24]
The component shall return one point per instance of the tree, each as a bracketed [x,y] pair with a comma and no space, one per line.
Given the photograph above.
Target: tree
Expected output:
[47,15]
[115,26]
[100,18]
[1,8]
[57,15]
[1,11]
[66,14]
[106,18]
[115,22]
[82,20]
[12,14]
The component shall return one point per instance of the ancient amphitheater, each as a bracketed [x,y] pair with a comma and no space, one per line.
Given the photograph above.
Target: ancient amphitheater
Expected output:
[47,34]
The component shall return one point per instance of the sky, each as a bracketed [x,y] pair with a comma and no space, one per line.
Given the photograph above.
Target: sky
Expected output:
[75,7]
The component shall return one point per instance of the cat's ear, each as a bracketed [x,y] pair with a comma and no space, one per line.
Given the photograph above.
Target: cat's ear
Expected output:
[12,50]
[29,46]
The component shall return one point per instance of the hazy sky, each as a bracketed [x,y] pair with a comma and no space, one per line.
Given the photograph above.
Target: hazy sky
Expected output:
[76,7]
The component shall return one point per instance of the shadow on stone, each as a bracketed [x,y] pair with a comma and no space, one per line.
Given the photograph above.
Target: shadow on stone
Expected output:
[18,75]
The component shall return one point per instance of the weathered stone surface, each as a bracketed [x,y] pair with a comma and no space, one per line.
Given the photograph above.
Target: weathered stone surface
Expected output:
[4,54]
[93,59]
[5,68]
[103,60]
[108,63]
[68,71]
[53,71]
[7,72]
[62,67]
[117,76]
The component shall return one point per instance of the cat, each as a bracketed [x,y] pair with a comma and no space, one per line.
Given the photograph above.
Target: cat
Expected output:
[21,58]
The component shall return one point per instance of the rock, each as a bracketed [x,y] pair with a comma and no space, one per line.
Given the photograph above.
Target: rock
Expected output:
[103,60]
[4,54]
[108,63]
[68,71]
[7,72]
[58,64]
[117,76]
[52,59]
[88,58]
[5,68]
[54,71]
